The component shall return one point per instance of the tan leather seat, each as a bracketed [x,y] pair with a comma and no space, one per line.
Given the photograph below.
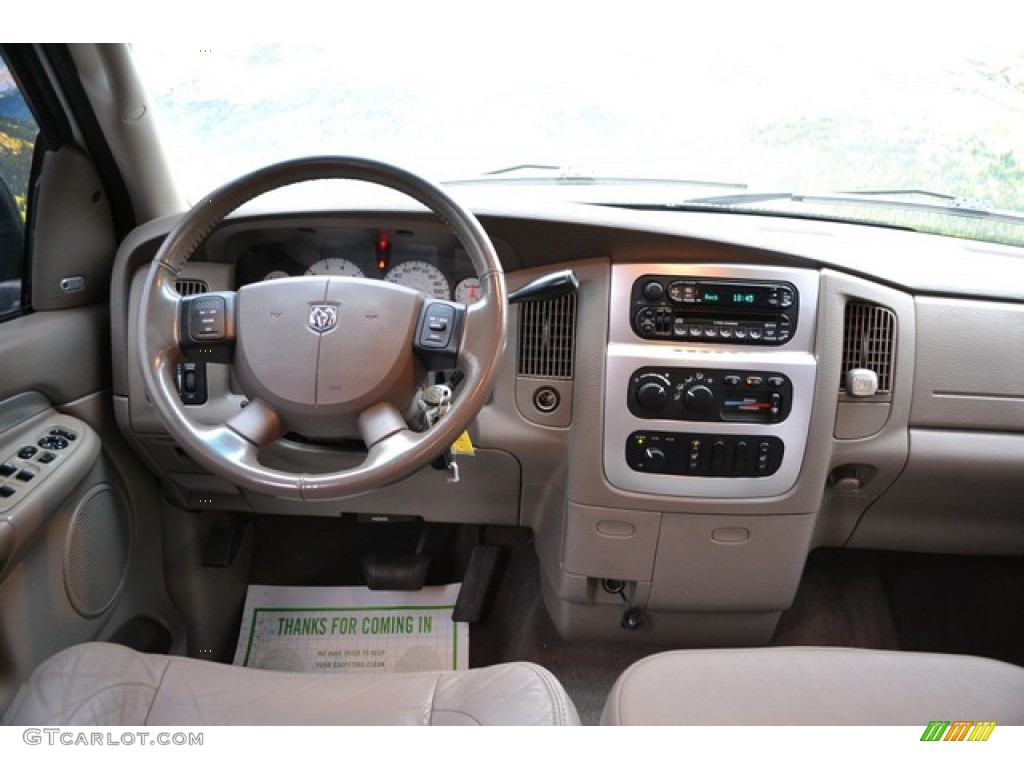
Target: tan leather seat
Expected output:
[814,686]
[103,684]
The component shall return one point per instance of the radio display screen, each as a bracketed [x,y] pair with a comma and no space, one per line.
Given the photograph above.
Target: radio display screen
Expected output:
[733,295]
[724,294]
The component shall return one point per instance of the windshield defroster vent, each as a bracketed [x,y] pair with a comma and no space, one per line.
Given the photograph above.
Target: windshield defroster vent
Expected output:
[869,340]
[547,338]
[190,287]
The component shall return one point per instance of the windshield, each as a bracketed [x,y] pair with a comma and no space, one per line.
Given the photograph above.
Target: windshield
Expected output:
[936,136]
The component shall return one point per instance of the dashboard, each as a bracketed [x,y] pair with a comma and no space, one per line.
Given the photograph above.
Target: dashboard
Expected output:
[702,437]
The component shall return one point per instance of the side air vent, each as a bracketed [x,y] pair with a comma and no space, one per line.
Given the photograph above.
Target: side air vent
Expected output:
[547,338]
[190,287]
[869,340]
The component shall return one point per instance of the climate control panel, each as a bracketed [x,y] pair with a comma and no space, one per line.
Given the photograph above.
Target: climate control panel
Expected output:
[696,394]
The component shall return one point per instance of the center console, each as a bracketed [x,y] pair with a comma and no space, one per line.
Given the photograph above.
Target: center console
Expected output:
[691,489]
[709,379]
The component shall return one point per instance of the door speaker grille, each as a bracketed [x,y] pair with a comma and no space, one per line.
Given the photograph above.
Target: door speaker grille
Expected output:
[97,550]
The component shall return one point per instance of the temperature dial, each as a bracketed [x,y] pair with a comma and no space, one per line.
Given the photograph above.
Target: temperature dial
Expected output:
[652,393]
[699,398]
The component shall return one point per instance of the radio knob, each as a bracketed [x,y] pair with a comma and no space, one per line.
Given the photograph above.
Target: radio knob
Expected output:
[698,398]
[653,290]
[654,458]
[652,396]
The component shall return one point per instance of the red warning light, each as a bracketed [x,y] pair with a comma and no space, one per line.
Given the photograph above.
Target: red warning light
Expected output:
[383,250]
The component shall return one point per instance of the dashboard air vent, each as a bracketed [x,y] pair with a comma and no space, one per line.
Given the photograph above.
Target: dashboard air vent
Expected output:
[869,340]
[547,338]
[190,287]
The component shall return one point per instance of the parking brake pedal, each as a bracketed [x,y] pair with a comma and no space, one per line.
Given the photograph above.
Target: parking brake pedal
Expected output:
[476,584]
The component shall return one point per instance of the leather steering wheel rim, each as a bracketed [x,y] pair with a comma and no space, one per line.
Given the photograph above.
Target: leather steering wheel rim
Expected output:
[231,450]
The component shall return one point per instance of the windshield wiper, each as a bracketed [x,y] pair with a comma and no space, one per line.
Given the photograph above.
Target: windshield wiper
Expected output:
[881,198]
[539,173]
[952,201]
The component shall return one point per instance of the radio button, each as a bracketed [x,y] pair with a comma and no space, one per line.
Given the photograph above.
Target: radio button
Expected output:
[741,333]
[755,334]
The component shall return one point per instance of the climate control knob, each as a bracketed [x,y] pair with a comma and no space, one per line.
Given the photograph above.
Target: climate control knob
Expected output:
[652,395]
[654,458]
[698,398]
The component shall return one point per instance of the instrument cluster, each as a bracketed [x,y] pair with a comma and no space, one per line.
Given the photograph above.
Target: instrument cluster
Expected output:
[436,266]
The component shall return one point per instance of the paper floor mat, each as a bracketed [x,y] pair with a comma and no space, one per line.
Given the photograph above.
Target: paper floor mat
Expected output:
[351,629]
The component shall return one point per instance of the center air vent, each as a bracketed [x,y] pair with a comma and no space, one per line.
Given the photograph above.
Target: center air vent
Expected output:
[547,338]
[869,340]
[190,287]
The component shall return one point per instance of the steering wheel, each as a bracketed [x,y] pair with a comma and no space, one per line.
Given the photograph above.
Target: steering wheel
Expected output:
[320,356]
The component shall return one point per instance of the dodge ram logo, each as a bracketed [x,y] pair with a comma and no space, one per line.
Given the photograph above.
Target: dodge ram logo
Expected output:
[323,317]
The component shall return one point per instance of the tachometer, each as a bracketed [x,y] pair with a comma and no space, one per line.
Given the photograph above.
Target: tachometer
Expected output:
[421,276]
[335,267]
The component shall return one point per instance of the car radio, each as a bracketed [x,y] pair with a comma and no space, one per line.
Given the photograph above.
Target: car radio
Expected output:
[719,310]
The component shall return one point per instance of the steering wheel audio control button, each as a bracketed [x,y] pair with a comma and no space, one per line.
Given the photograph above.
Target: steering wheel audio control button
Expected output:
[437,336]
[206,319]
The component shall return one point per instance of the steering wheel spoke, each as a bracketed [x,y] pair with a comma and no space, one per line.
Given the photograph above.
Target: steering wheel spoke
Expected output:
[258,423]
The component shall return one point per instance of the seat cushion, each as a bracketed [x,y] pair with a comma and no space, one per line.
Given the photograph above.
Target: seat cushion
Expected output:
[103,684]
[814,686]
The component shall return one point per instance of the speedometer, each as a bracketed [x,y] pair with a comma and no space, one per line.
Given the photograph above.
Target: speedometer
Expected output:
[335,267]
[423,277]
